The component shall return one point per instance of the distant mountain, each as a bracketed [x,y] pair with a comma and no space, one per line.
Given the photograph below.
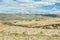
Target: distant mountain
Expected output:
[58,15]
[49,15]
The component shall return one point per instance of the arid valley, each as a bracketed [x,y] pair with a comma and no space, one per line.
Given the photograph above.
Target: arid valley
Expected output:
[29,27]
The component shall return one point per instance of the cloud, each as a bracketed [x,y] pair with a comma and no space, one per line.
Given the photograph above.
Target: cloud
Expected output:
[29,6]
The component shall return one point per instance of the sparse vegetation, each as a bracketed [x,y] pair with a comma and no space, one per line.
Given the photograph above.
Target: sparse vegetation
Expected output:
[33,25]
[29,27]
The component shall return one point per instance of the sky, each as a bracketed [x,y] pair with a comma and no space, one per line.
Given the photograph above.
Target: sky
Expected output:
[30,6]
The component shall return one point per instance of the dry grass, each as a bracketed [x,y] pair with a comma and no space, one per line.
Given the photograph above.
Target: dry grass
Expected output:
[30,30]
[51,23]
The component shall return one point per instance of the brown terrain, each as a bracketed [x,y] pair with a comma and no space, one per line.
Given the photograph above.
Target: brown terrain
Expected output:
[42,28]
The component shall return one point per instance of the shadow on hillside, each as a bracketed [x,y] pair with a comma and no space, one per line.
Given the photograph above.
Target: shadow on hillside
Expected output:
[49,26]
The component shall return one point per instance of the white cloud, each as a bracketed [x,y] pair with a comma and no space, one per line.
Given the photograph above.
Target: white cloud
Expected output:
[26,6]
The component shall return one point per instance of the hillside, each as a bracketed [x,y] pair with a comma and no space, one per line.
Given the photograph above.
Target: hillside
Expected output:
[29,27]
[26,16]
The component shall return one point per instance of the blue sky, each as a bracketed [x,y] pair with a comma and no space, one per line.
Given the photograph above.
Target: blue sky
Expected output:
[30,6]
